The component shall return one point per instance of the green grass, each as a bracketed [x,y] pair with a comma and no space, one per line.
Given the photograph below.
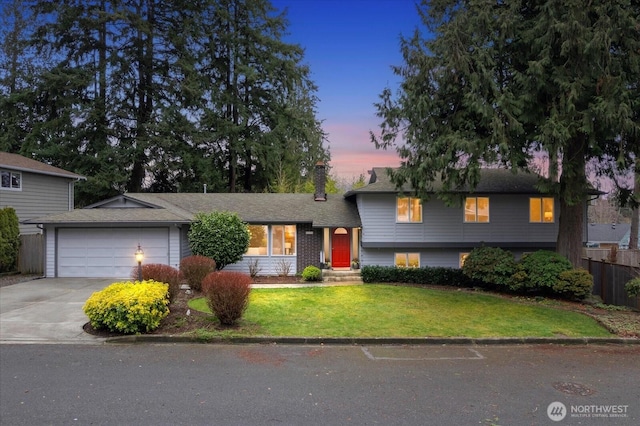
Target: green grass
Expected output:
[396,311]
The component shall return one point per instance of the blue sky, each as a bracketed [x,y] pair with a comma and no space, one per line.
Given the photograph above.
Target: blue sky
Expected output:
[350,46]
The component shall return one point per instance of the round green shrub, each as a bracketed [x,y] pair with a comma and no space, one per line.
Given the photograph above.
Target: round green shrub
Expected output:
[540,270]
[221,236]
[490,266]
[574,284]
[128,307]
[633,287]
[312,273]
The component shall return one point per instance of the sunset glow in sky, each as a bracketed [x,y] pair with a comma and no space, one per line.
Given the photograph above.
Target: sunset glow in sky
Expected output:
[350,46]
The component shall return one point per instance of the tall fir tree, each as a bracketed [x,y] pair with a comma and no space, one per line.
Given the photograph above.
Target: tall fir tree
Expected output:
[499,81]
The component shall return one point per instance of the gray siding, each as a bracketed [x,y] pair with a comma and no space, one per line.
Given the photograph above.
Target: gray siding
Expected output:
[508,215]
[41,195]
[449,257]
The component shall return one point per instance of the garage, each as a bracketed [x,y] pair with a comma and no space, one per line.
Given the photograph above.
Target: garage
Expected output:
[108,252]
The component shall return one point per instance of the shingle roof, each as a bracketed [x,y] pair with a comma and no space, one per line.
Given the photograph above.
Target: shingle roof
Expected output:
[492,181]
[24,164]
[607,232]
[251,207]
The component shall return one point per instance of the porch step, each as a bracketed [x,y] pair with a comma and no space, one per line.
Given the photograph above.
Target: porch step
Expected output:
[341,275]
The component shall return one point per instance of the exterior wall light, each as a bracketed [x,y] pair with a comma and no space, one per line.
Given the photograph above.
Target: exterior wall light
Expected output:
[139,259]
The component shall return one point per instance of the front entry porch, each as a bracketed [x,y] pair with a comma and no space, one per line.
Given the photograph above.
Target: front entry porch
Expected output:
[341,247]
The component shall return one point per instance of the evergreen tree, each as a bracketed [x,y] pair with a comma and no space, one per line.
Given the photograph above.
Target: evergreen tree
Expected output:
[500,81]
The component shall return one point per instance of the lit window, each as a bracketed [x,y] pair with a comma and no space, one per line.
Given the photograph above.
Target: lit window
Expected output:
[10,180]
[476,209]
[409,209]
[407,260]
[541,210]
[258,240]
[283,240]
[463,257]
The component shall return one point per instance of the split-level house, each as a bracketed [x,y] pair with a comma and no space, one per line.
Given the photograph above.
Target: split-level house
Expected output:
[34,189]
[377,224]
[505,210]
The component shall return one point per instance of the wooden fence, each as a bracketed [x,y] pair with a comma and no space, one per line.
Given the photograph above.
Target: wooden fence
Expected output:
[31,254]
[623,257]
[609,280]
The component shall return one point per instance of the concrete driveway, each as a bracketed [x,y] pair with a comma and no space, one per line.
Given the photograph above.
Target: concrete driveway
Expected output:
[47,310]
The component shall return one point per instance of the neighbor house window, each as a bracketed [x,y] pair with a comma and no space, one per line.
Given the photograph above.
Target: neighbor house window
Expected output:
[409,209]
[476,209]
[541,210]
[463,257]
[10,180]
[408,260]
[258,240]
[283,240]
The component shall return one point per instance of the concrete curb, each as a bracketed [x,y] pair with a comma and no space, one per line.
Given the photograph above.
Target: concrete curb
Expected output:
[150,338]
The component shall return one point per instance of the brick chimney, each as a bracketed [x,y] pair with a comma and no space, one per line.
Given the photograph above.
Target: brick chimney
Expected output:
[320,181]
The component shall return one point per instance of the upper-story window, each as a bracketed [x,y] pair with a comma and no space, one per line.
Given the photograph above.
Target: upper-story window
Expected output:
[10,180]
[476,209]
[541,210]
[408,209]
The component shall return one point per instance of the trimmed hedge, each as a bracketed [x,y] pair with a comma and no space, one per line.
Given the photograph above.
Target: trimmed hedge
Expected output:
[128,307]
[425,275]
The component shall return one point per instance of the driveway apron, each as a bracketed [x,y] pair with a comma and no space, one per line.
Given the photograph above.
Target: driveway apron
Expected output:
[47,310]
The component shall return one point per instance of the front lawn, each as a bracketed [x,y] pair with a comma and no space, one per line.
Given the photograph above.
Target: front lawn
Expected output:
[396,311]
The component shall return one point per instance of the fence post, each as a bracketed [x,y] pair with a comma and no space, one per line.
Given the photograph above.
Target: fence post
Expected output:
[603,280]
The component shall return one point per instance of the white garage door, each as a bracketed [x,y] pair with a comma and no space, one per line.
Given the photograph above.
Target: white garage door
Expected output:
[108,253]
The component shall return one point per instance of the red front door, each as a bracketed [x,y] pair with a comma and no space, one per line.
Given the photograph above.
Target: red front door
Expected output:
[340,248]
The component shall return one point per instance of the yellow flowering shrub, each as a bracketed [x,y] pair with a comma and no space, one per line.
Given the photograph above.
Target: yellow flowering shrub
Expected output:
[128,307]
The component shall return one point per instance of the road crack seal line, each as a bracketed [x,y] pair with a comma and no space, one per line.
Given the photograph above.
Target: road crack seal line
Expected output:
[477,356]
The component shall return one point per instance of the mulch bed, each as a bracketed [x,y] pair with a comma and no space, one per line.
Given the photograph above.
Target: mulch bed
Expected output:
[181,319]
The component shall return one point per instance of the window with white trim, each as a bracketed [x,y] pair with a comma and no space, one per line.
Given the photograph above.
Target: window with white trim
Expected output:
[408,209]
[407,260]
[476,209]
[541,210]
[283,240]
[258,240]
[10,180]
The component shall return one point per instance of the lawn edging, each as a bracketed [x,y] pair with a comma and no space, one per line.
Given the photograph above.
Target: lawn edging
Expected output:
[161,338]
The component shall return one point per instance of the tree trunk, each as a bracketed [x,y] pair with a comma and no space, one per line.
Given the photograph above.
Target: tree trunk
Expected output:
[572,201]
[633,238]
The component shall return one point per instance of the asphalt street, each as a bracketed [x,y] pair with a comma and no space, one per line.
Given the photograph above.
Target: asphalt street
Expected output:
[201,384]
